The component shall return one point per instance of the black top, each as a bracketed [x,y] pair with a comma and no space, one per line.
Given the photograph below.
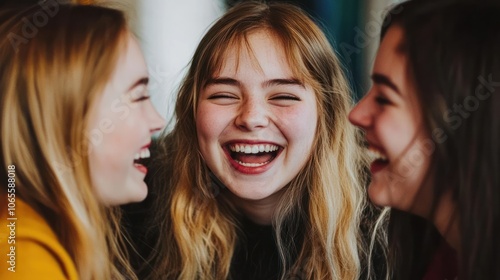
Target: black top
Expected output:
[256,255]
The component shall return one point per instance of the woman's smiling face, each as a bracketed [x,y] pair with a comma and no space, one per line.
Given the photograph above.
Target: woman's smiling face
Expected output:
[121,125]
[398,142]
[255,121]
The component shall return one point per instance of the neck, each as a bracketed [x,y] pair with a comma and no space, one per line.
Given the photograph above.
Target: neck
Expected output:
[447,221]
[259,211]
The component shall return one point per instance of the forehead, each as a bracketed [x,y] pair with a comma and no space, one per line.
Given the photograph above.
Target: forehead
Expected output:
[131,61]
[257,48]
[391,61]
[281,49]
[130,65]
[390,54]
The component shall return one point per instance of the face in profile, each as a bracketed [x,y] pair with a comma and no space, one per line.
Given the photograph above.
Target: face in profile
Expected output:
[120,128]
[399,146]
[255,120]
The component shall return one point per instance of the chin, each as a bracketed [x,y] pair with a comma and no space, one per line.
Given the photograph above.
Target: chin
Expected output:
[254,195]
[139,197]
[138,194]
[377,194]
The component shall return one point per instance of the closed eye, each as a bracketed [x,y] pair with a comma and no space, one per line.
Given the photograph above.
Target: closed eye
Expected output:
[221,96]
[285,97]
[142,98]
[382,100]
[139,93]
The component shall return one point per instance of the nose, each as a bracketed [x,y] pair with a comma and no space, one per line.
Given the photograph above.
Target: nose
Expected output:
[361,114]
[252,115]
[155,120]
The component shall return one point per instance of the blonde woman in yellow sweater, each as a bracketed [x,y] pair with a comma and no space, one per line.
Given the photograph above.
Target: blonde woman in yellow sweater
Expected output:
[75,122]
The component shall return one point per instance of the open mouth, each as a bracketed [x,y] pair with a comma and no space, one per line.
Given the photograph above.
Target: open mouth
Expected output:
[378,159]
[140,158]
[253,155]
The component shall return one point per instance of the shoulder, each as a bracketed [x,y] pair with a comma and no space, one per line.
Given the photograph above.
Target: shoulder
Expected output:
[32,248]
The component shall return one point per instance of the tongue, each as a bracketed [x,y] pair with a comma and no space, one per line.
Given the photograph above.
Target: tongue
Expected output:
[252,158]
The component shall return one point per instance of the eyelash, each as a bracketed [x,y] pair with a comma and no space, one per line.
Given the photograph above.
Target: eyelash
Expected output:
[286,97]
[216,96]
[382,100]
[280,97]
[142,98]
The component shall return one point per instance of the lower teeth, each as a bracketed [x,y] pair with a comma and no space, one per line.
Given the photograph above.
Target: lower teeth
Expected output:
[252,164]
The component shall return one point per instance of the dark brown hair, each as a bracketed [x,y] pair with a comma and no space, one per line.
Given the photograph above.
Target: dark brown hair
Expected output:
[454,61]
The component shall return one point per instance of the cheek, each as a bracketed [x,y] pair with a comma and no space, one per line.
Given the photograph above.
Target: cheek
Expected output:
[129,131]
[209,125]
[204,117]
[120,138]
[211,121]
[203,120]
[395,134]
[115,152]
[299,124]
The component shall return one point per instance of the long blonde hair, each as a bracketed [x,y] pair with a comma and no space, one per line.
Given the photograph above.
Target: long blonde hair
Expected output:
[326,198]
[51,77]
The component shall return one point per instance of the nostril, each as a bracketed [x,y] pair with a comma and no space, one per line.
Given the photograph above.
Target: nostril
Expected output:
[252,121]
[252,114]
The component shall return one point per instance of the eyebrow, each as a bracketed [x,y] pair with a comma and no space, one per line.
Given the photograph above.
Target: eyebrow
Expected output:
[268,83]
[141,81]
[381,79]
[222,81]
[279,82]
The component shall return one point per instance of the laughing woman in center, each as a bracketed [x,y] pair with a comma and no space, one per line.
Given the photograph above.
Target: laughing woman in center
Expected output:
[260,177]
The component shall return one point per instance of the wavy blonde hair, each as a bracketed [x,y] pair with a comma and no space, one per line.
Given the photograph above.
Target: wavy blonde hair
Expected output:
[198,239]
[50,80]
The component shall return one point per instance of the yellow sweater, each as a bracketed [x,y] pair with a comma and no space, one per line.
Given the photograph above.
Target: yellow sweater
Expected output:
[36,253]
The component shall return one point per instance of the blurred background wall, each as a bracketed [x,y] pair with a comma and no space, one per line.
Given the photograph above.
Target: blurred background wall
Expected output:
[169,31]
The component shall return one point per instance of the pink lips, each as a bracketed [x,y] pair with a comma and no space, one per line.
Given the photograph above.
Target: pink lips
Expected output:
[248,169]
[377,164]
[139,166]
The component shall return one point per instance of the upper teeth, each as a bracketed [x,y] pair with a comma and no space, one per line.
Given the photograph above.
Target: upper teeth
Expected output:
[374,155]
[253,149]
[144,153]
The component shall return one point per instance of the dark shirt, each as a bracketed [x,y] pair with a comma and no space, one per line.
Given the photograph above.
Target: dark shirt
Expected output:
[443,265]
[256,255]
